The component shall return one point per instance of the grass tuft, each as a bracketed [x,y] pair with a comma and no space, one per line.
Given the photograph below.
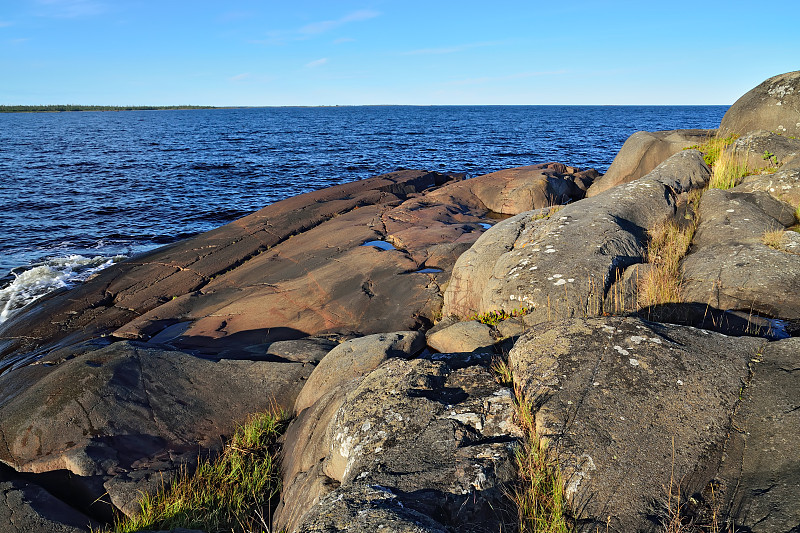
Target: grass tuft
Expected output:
[666,248]
[713,148]
[539,495]
[773,239]
[492,318]
[727,172]
[230,493]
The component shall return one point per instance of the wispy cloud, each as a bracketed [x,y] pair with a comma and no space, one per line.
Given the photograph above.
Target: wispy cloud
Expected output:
[450,49]
[315,28]
[71,8]
[5,24]
[240,77]
[344,40]
[317,63]
[509,77]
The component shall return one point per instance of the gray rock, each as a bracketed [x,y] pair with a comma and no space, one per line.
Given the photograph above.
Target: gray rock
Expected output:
[730,268]
[470,336]
[473,270]
[773,105]
[642,152]
[764,150]
[511,327]
[366,509]
[355,358]
[760,479]
[28,508]
[783,185]
[309,350]
[629,405]
[564,265]
[421,433]
[126,414]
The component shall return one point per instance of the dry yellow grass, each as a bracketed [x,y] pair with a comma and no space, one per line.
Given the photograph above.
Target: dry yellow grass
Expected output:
[539,493]
[667,246]
[728,171]
[773,239]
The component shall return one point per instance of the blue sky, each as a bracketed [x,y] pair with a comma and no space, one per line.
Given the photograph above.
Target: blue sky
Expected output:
[343,52]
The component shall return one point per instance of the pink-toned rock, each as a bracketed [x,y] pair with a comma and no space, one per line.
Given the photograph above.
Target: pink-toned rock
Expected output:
[515,190]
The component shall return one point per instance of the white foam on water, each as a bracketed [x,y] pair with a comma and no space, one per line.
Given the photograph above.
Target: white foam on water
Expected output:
[47,276]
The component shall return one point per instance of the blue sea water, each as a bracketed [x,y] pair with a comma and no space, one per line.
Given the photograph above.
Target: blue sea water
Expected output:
[80,190]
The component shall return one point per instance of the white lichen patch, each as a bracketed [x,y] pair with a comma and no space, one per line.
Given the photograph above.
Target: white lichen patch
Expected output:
[560,282]
[585,466]
[621,350]
[468,419]
[633,362]
[550,251]
[636,339]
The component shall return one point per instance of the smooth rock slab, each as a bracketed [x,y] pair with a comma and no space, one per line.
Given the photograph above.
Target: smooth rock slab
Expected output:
[628,405]
[773,105]
[469,336]
[27,508]
[516,190]
[124,414]
[760,479]
[355,358]
[730,268]
[642,152]
[142,296]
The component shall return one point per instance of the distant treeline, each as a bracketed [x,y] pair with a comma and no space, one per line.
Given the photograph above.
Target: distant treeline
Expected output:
[60,108]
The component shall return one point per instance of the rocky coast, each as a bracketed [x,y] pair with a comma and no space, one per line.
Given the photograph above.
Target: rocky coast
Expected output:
[377,314]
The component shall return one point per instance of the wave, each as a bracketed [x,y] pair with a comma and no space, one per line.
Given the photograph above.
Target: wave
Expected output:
[47,276]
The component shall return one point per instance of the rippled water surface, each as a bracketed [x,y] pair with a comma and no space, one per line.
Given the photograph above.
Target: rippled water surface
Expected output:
[98,184]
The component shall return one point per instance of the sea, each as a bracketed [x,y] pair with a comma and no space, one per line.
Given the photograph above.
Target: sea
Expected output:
[82,190]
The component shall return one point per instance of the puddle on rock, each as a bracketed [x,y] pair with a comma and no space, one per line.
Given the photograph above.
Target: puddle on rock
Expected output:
[381,245]
[484,225]
[429,271]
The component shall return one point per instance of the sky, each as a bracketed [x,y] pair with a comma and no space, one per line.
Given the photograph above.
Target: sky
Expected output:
[401,52]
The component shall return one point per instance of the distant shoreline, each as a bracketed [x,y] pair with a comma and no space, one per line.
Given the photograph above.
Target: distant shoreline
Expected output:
[73,108]
[69,108]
